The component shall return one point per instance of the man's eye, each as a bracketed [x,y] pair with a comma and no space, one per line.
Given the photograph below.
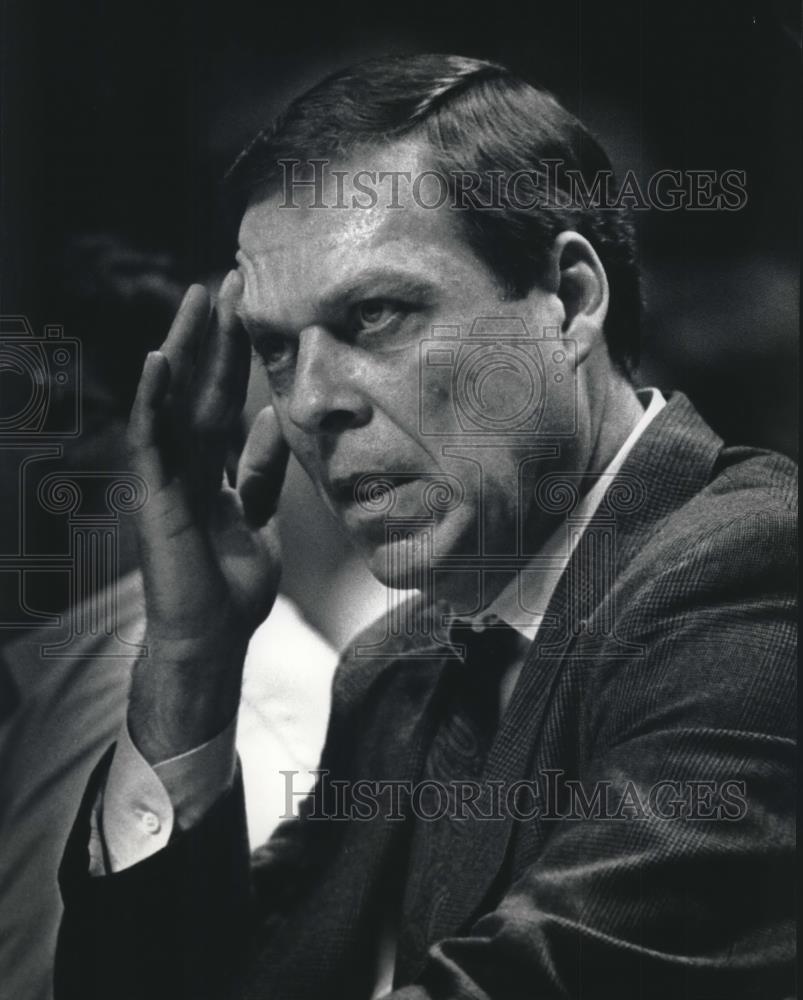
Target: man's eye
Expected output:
[274,352]
[374,314]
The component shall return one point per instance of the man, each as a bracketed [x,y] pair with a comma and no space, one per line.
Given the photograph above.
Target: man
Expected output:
[565,770]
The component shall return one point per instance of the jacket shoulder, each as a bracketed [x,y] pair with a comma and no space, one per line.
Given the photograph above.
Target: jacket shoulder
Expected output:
[752,477]
[740,526]
[708,607]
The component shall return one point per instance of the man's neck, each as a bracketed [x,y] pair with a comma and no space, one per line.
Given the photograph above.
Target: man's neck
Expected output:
[618,411]
[616,415]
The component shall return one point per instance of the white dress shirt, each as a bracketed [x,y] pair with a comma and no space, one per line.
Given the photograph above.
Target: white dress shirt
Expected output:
[141,804]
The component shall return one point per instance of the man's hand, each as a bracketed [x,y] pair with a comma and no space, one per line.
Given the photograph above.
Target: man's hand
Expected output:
[210,554]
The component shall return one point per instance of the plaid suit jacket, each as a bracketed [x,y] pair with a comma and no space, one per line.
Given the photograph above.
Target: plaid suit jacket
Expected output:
[658,701]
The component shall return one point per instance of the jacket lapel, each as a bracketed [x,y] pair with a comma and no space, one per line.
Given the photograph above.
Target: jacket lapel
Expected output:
[479,857]
[339,926]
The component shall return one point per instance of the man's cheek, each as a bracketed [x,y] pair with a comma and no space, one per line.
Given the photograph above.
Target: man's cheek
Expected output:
[306,460]
[291,434]
[299,445]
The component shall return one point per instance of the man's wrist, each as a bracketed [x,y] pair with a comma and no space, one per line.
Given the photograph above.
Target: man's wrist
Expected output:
[176,705]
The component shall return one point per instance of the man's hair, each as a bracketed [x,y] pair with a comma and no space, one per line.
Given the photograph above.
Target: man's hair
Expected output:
[475,117]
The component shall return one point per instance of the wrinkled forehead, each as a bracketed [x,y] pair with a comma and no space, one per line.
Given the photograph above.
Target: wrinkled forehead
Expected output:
[343,198]
[304,180]
[330,220]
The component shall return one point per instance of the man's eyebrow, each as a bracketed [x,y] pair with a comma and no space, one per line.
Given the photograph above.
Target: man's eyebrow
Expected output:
[376,283]
[383,282]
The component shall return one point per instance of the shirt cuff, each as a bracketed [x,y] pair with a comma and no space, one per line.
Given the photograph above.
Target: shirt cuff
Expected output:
[142,804]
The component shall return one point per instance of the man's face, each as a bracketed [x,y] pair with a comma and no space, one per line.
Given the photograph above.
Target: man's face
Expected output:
[338,302]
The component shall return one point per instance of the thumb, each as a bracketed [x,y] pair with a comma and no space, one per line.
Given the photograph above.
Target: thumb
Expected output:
[261,469]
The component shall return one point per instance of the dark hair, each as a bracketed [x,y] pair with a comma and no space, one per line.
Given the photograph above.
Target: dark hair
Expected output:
[476,117]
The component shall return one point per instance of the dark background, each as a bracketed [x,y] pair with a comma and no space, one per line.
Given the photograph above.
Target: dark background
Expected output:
[119,120]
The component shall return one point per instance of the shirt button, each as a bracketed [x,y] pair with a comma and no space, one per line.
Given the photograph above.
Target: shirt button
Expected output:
[150,822]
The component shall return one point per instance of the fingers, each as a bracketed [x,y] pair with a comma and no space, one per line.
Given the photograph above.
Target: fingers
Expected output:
[191,394]
[143,424]
[185,336]
[221,383]
[260,474]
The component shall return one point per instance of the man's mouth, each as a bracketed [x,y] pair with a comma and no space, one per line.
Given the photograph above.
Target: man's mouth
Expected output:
[371,492]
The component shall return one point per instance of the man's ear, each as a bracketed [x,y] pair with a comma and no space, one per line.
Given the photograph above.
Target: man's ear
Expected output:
[578,278]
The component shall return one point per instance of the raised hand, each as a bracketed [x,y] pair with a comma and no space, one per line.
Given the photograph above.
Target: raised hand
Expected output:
[210,554]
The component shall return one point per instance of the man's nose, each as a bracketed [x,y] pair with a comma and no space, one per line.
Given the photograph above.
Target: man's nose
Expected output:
[326,395]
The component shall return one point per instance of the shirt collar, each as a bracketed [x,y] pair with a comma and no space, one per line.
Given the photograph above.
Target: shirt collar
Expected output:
[532,587]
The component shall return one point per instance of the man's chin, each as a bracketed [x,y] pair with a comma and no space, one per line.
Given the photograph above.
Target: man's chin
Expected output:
[406,554]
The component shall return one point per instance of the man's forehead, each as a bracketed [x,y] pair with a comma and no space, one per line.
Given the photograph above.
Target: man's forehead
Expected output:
[283,239]
[273,228]
[378,193]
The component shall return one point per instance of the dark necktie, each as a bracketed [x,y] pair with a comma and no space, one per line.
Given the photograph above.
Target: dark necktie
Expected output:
[469,707]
